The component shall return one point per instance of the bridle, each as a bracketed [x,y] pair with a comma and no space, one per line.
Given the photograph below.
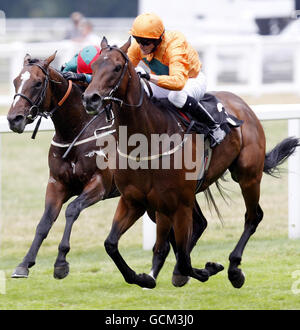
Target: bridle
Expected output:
[35,109]
[35,105]
[110,96]
[41,97]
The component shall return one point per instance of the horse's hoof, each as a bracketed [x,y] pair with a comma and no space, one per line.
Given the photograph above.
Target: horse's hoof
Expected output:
[213,268]
[180,280]
[145,281]
[61,272]
[236,277]
[200,274]
[20,272]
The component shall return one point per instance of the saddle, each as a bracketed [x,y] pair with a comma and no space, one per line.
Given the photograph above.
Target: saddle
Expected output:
[215,109]
[223,124]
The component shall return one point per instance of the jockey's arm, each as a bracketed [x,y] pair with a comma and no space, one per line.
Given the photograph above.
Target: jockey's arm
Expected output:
[71,65]
[178,68]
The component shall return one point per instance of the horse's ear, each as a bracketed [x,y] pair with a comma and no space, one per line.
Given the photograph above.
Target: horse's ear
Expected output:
[27,58]
[48,60]
[104,43]
[126,45]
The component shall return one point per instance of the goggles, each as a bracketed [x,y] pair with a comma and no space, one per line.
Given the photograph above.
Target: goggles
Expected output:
[145,41]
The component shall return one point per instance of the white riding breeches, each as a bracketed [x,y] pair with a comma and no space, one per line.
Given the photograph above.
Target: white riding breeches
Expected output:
[195,87]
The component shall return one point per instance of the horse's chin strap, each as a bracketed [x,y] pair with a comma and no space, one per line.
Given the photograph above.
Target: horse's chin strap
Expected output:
[50,113]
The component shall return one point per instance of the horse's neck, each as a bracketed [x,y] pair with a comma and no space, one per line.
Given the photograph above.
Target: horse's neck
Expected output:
[70,117]
[147,119]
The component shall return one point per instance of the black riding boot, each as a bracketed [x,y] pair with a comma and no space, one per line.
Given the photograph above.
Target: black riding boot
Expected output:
[193,107]
[201,114]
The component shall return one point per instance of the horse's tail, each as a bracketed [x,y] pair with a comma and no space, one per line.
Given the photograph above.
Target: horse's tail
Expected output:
[279,154]
[210,198]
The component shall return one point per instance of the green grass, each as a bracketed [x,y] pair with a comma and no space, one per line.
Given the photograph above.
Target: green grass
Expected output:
[94,282]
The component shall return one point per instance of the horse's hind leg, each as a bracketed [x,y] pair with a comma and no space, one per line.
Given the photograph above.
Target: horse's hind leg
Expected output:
[162,247]
[199,225]
[183,227]
[92,193]
[250,187]
[126,215]
[55,196]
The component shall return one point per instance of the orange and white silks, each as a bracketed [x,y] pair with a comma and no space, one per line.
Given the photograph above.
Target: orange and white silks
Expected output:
[174,60]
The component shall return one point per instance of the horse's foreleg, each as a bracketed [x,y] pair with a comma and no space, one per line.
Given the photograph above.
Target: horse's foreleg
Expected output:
[253,217]
[92,193]
[124,218]
[55,196]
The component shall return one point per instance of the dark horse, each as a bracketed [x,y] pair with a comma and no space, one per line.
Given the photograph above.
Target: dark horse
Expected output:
[43,91]
[166,191]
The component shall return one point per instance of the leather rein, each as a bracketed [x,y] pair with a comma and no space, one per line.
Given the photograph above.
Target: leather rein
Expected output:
[110,96]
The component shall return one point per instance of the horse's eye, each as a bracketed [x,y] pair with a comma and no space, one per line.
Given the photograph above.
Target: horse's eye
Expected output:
[38,84]
[118,68]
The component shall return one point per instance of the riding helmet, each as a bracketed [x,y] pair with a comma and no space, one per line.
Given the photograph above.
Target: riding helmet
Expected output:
[147,25]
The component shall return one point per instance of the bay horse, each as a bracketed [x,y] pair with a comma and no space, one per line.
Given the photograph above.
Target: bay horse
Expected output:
[43,91]
[166,191]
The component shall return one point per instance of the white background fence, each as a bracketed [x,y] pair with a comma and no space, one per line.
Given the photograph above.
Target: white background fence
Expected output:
[290,112]
[252,65]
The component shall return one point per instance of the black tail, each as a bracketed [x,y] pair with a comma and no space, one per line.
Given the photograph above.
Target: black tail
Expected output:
[279,154]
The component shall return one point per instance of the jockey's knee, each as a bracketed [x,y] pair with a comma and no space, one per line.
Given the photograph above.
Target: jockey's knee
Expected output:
[178,98]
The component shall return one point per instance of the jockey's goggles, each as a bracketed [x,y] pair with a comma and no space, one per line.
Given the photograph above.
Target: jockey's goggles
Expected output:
[145,41]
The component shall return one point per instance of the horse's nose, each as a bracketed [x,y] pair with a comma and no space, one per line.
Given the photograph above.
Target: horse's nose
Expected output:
[16,123]
[92,102]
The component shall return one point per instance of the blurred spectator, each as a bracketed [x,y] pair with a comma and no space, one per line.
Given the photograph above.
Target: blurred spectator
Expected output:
[87,35]
[74,32]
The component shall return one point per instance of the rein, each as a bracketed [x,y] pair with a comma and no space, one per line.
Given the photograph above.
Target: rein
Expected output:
[114,99]
[110,96]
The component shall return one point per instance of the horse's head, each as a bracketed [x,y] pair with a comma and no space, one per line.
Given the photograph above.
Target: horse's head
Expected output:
[109,77]
[31,87]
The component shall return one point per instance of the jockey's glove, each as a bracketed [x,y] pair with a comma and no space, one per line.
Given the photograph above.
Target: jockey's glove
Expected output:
[142,73]
[69,75]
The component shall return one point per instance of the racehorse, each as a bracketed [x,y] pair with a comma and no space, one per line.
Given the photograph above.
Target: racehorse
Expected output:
[166,191]
[43,91]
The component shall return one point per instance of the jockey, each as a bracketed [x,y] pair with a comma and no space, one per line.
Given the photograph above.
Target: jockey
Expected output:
[174,64]
[79,67]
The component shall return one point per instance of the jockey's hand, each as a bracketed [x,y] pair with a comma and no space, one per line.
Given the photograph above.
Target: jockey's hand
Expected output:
[69,75]
[142,73]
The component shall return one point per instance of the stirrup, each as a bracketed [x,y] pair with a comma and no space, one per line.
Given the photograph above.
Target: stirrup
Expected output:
[217,135]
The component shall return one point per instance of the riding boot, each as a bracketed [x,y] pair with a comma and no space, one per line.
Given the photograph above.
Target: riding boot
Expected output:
[202,115]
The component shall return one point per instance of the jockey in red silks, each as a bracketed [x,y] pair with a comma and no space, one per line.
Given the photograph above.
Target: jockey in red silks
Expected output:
[79,67]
